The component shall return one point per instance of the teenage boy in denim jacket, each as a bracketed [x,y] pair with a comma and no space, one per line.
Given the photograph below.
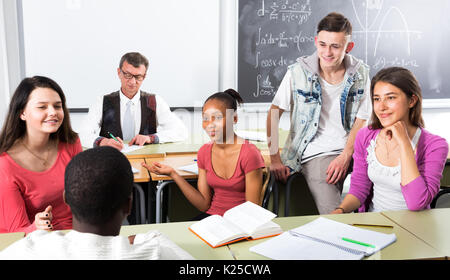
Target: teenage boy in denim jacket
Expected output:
[328,95]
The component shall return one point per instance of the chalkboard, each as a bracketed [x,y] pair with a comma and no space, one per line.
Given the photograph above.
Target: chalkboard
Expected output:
[414,34]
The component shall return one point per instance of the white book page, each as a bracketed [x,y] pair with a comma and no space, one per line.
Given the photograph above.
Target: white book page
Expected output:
[216,230]
[267,229]
[249,216]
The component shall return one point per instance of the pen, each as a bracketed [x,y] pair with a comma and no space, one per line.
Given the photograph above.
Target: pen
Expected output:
[112,136]
[370,225]
[358,242]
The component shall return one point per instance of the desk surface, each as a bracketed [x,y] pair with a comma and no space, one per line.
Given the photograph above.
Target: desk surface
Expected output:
[7,239]
[407,245]
[191,145]
[175,161]
[431,226]
[420,235]
[143,175]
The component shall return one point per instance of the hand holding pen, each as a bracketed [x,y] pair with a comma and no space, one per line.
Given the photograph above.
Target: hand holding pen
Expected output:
[114,142]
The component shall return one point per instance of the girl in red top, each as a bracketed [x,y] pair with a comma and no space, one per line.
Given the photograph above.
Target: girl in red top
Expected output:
[229,167]
[36,144]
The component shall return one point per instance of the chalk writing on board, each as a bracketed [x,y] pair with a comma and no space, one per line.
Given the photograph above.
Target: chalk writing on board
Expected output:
[385,31]
[274,33]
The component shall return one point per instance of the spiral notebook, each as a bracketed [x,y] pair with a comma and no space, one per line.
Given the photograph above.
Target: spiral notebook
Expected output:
[324,239]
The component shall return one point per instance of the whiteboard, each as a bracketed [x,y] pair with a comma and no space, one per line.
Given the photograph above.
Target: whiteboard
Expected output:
[79,43]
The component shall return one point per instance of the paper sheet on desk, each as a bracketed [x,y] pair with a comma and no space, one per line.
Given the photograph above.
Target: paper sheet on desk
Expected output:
[193,168]
[129,149]
[135,170]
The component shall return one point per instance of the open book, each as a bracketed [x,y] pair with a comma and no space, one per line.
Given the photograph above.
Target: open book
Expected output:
[245,221]
[324,239]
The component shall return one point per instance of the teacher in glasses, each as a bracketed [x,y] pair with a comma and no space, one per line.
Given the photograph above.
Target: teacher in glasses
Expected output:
[130,114]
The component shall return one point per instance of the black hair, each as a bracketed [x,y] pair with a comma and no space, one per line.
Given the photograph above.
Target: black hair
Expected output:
[15,128]
[97,183]
[135,59]
[230,97]
[335,22]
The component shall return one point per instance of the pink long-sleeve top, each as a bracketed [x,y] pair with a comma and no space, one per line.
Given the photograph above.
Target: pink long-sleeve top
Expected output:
[431,155]
[24,193]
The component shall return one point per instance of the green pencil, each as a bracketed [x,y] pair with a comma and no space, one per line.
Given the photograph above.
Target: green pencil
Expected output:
[358,242]
[112,136]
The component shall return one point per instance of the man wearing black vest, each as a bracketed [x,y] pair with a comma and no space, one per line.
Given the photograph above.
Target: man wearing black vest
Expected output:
[132,114]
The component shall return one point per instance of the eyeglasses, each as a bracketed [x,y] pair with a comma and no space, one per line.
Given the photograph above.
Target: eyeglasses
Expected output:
[128,76]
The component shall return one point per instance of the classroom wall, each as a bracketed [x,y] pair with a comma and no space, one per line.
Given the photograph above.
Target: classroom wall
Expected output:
[4,88]
[251,117]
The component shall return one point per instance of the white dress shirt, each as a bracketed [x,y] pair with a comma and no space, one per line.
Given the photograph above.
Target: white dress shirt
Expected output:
[74,245]
[169,127]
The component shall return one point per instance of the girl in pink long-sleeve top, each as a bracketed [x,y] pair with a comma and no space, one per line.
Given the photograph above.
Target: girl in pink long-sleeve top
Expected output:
[36,144]
[397,163]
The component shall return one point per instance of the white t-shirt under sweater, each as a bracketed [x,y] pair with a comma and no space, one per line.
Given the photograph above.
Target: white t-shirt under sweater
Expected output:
[331,136]
[41,244]
[387,190]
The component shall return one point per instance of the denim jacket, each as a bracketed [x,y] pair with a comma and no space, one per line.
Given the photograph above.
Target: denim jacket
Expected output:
[307,103]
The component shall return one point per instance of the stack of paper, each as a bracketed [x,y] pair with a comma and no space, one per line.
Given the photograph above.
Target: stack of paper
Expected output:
[324,239]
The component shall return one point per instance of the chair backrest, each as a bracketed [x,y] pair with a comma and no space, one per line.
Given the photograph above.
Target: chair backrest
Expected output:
[266,179]
[303,199]
[442,199]
[269,189]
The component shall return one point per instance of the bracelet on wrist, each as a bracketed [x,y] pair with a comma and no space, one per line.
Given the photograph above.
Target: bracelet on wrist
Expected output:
[343,211]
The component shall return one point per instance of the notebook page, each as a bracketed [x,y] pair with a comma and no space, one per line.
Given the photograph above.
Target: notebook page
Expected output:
[288,247]
[249,216]
[332,231]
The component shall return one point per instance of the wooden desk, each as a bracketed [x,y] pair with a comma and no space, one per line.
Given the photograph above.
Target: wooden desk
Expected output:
[143,175]
[7,239]
[180,235]
[191,145]
[420,235]
[175,161]
[430,226]
[407,245]
[163,181]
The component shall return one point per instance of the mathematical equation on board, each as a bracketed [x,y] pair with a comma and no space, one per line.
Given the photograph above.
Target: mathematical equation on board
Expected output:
[272,36]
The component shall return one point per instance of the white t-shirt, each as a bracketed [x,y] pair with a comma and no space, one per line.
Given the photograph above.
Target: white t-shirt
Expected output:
[41,244]
[387,189]
[331,136]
